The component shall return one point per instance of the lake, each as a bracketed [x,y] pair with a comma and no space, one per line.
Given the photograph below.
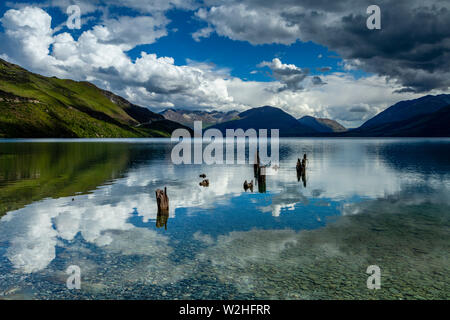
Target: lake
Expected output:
[91,204]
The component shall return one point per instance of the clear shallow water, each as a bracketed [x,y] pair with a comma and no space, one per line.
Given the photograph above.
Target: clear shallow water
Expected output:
[92,204]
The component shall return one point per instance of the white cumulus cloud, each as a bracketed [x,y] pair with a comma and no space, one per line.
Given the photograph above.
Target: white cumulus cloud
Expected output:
[99,55]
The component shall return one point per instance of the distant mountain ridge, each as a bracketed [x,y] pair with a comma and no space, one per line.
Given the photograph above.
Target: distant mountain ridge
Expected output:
[215,119]
[267,117]
[405,110]
[431,121]
[34,106]
[322,125]
[208,118]
[436,124]
[426,116]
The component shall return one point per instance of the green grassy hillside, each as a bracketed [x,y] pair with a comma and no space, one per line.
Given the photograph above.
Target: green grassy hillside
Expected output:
[34,106]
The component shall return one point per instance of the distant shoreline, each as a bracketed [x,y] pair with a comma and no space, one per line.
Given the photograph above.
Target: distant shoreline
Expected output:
[162,139]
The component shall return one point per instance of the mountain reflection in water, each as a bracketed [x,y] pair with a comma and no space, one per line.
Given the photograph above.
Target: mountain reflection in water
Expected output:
[312,235]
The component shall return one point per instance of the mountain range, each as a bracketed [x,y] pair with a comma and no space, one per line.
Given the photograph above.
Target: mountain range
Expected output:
[34,106]
[208,118]
[268,117]
[427,116]
[322,125]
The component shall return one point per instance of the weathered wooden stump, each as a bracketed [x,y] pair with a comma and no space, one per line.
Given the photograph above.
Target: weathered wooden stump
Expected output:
[248,185]
[304,178]
[256,165]
[204,183]
[301,169]
[162,218]
[304,162]
[162,200]
[262,183]
[299,166]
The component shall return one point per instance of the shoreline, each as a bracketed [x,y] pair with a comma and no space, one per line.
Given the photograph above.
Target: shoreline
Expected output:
[5,140]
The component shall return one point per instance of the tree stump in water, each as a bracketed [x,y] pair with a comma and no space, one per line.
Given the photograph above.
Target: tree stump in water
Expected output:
[162,200]
[304,162]
[256,165]
[248,185]
[162,218]
[299,166]
[301,169]
[262,183]
[304,178]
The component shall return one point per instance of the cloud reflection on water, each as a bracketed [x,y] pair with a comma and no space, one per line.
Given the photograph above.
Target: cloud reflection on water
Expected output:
[337,171]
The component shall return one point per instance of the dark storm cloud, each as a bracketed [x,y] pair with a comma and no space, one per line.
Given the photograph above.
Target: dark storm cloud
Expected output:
[412,47]
[290,76]
[317,81]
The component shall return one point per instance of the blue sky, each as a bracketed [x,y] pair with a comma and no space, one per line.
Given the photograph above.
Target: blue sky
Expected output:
[308,59]
[217,50]
[221,51]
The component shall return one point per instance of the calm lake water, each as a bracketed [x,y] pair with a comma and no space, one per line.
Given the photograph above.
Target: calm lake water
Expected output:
[92,204]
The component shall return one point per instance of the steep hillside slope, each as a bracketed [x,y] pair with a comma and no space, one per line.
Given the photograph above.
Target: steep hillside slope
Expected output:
[436,124]
[405,110]
[322,125]
[34,106]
